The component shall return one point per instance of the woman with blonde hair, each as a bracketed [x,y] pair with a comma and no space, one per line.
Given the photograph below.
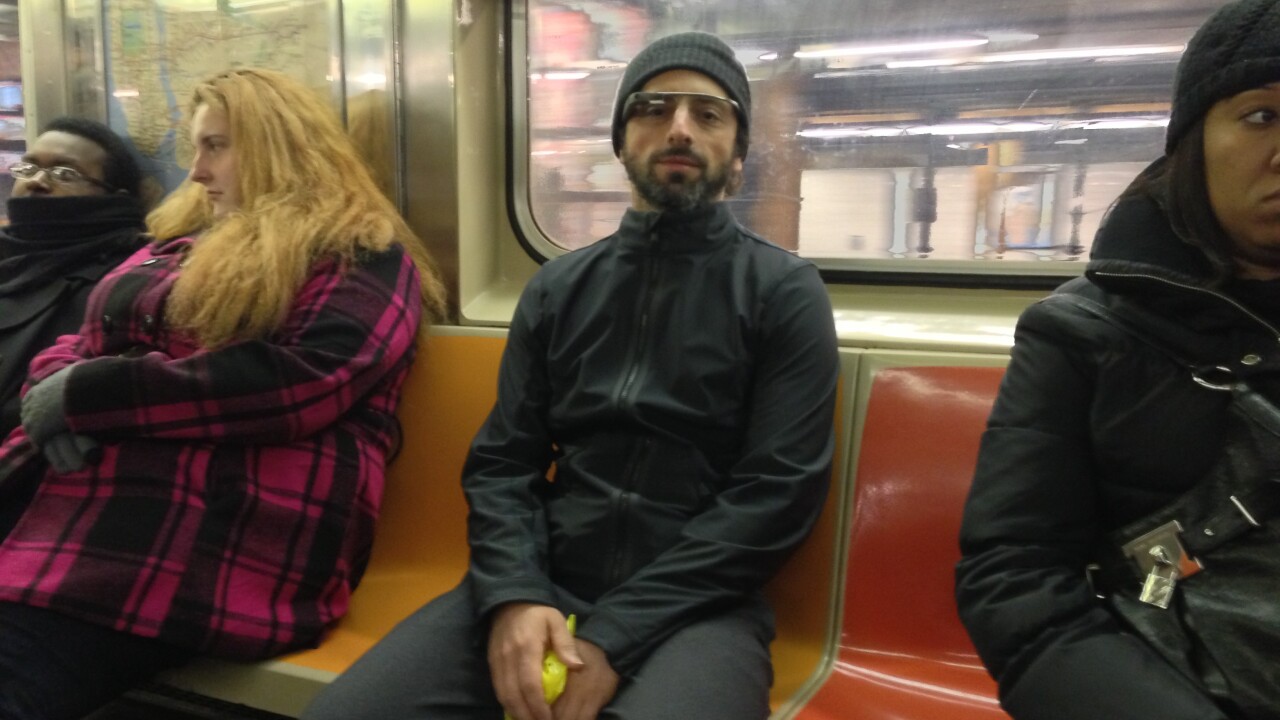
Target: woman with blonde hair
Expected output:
[199,470]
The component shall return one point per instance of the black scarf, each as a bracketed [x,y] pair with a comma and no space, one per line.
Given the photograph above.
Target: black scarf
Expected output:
[49,237]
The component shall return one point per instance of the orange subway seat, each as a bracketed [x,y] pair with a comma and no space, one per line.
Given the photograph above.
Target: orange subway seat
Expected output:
[903,654]
[421,546]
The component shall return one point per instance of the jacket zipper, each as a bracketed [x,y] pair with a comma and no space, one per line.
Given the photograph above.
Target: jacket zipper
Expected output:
[1205,291]
[622,505]
[642,327]
[621,512]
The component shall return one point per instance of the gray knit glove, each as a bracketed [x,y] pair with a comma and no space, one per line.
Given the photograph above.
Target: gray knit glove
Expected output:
[67,452]
[43,415]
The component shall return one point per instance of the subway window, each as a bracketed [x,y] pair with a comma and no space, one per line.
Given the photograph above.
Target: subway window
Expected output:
[987,137]
[12,121]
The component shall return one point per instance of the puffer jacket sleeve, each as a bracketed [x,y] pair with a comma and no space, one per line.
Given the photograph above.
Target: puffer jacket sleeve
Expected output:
[509,459]
[1028,526]
[773,495]
[348,329]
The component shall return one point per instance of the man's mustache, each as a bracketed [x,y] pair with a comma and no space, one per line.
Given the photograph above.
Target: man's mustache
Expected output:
[679,153]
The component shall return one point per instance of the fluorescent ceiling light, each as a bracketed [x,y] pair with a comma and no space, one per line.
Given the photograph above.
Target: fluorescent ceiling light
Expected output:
[1103,54]
[963,128]
[560,75]
[903,47]
[944,129]
[1121,124]
[833,133]
[769,56]
[592,64]
[1008,36]
[985,128]
[1081,53]
[928,62]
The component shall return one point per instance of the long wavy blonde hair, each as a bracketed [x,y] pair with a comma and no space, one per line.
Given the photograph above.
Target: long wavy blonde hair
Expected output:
[305,195]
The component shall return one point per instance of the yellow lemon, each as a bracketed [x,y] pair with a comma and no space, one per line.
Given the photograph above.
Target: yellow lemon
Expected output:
[554,672]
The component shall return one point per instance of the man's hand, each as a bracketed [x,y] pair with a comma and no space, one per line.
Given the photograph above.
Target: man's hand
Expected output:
[590,687]
[519,637]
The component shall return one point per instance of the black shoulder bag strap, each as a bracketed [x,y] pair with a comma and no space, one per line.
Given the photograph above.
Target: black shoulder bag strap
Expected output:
[1221,625]
[1239,512]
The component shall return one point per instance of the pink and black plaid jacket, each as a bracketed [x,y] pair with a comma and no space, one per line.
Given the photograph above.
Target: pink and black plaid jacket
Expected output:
[234,505]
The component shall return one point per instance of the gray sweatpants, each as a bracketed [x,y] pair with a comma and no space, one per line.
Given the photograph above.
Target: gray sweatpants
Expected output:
[433,666]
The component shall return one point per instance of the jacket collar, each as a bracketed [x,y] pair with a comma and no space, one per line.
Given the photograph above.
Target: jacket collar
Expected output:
[662,232]
[172,246]
[1137,254]
[1136,238]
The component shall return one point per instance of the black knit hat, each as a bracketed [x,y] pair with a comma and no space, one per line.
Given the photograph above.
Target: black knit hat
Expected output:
[698,51]
[1237,49]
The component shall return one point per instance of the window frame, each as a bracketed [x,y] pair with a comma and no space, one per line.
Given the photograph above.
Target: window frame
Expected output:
[932,272]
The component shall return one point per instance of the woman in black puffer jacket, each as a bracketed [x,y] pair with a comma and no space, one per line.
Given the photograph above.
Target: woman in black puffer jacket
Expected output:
[1095,428]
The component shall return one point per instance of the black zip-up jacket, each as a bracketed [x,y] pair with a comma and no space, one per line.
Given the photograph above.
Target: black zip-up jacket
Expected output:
[681,376]
[52,254]
[1092,429]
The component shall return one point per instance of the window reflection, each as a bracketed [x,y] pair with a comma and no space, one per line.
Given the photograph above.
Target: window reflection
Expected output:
[991,134]
[12,123]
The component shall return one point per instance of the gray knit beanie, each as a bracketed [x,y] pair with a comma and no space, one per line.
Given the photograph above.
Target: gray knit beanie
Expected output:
[698,51]
[1237,49]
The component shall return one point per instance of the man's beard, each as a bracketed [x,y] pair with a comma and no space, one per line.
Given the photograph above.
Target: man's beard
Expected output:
[679,194]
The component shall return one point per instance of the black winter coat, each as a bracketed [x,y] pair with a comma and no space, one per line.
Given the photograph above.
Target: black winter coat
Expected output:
[681,376]
[52,254]
[1092,429]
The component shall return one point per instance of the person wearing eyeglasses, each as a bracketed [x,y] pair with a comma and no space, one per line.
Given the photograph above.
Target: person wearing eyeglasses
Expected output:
[230,401]
[75,212]
[680,375]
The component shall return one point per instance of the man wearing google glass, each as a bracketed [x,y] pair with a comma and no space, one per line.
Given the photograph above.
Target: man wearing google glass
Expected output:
[680,375]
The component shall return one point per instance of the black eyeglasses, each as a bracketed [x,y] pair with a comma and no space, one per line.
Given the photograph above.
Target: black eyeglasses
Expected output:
[662,105]
[59,174]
